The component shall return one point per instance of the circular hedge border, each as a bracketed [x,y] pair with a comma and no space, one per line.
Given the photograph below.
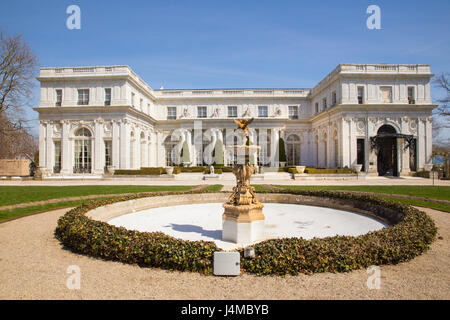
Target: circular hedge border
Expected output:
[412,233]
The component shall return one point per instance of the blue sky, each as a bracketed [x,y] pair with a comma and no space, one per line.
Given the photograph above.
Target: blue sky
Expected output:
[232,44]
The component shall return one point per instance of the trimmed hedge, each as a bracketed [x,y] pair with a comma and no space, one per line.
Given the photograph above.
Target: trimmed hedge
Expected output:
[408,238]
[328,171]
[149,249]
[142,171]
[412,233]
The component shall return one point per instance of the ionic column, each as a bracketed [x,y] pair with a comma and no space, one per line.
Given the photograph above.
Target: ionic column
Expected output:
[65,148]
[42,143]
[116,144]
[99,147]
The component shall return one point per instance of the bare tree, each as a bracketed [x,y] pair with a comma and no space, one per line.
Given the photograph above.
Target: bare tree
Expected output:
[441,115]
[18,65]
[16,142]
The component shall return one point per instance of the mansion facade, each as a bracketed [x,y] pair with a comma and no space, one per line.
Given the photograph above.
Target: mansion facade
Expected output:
[375,116]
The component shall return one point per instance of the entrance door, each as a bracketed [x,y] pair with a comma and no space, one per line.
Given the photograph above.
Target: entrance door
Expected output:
[387,153]
[387,157]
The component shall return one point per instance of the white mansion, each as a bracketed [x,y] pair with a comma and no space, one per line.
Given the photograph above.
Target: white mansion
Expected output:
[378,116]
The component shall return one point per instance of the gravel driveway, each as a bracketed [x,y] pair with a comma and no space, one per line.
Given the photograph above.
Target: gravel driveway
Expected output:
[34,265]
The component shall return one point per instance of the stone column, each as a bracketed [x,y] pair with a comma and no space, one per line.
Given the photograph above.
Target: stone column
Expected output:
[275,135]
[125,144]
[66,155]
[116,144]
[99,147]
[49,147]
[42,143]
[428,140]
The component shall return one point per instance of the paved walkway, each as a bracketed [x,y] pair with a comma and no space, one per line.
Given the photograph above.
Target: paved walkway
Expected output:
[231,182]
[34,265]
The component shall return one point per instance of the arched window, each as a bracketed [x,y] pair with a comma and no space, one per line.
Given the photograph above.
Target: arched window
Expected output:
[82,151]
[293,150]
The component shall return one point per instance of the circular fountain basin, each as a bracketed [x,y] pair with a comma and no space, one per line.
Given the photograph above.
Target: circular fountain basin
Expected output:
[203,221]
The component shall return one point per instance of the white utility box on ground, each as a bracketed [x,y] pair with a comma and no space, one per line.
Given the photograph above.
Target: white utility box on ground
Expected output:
[227,263]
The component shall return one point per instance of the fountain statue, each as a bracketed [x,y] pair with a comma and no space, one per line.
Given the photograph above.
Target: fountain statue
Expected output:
[243,220]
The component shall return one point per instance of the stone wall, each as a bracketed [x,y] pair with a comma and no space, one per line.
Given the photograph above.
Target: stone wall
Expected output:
[14,167]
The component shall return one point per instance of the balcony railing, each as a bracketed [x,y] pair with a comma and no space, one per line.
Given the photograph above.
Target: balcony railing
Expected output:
[82,169]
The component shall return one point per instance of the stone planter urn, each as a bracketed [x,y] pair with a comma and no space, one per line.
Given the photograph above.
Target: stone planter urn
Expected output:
[427,167]
[300,169]
[110,170]
[169,170]
[282,164]
[357,167]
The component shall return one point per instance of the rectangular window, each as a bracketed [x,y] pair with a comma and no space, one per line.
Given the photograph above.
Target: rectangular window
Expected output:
[58,97]
[83,97]
[232,111]
[333,98]
[171,113]
[386,94]
[324,103]
[108,152]
[133,98]
[141,104]
[201,112]
[293,112]
[57,167]
[360,152]
[411,99]
[262,111]
[360,95]
[107,96]
[317,107]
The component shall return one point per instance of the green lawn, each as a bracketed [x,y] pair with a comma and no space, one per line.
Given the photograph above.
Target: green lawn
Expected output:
[20,212]
[10,195]
[17,194]
[430,192]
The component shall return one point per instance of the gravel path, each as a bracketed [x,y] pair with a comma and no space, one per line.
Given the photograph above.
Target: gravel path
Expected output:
[33,266]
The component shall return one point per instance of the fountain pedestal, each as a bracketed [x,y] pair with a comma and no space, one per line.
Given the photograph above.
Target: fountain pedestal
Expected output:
[243,219]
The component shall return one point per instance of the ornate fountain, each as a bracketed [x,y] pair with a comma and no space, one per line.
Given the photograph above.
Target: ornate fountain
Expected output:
[243,220]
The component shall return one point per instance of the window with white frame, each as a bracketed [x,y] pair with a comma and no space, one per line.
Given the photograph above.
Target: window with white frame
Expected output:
[324,103]
[293,112]
[360,95]
[333,98]
[411,98]
[107,96]
[201,112]
[108,153]
[58,97]
[262,112]
[83,97]
[171,113]
[232,111]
